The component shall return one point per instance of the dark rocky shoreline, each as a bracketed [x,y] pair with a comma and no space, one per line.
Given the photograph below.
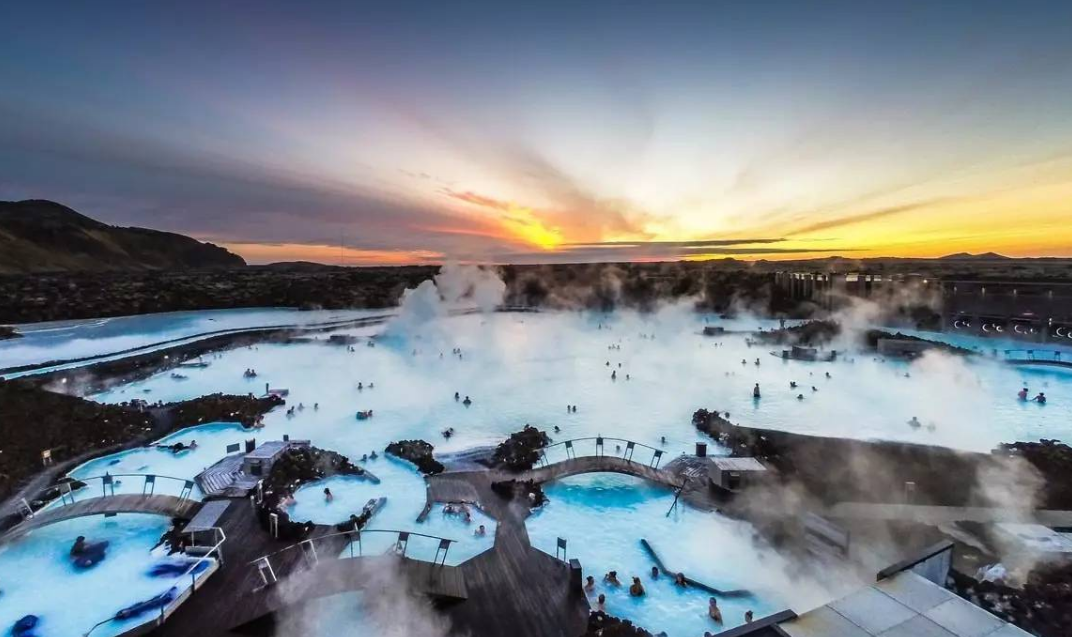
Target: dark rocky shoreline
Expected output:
[71,427]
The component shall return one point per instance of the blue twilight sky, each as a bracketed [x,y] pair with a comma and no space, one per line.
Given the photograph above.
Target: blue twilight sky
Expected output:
[549,130]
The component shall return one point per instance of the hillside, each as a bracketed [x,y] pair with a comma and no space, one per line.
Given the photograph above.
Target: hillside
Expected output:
[38,236]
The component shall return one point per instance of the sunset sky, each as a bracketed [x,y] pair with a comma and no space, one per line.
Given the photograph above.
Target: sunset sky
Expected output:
[395,132]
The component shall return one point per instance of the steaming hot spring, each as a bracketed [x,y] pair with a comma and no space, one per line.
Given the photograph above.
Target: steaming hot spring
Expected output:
[631,377]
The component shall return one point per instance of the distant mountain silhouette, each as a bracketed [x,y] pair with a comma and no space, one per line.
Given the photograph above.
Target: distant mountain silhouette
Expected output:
[39,236]
[967,256]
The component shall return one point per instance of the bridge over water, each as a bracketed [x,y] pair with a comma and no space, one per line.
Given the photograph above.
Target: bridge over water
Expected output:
[629,458]
[110,503]
[1049,357]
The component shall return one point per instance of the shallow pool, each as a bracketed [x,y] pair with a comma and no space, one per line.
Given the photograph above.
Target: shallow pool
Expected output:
[37,576]
[603,518]
[212,440]
[404,489]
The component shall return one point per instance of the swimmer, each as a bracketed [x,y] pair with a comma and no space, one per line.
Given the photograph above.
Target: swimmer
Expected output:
[614,375]
[748,617]
[713,610]
[663,439]
[655,572]
[636,589]
[590,584]
[828,375]
[1041,398]
[467,402]
[814,388]
[456,396]
[679,580]
[755,391]
[800,396]
[372,385]
[601,603]
[792,384]
[316,406]
[557,429]
[480,531]
[612,578]
[328,497]
[914,423]
[1022,394]
[364,457]
[373,455]
[360,386]
[193,444]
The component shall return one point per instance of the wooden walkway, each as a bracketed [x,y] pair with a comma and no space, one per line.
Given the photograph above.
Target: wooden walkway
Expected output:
[168,505]
[599,464]
[332,576]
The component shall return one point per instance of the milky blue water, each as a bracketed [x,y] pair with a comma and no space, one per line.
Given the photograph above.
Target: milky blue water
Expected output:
[64,340]
[525,368]
[37,576]
[603,517]
[404,490]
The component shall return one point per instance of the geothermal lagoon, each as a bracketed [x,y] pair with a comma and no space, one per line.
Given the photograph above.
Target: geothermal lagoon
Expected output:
[632,377]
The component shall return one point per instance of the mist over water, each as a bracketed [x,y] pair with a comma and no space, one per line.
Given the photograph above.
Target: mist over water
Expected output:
[525,368]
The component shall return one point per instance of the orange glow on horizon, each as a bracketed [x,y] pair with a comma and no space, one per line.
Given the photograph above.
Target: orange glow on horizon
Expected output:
[263,253]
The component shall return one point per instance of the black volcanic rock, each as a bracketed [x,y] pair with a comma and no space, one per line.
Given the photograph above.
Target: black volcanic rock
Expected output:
[44,236]
[521,451]
[6,332]
[419,453]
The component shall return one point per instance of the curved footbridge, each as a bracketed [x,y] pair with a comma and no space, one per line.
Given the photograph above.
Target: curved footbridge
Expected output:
[1046,357]
[629,458]
[110,503]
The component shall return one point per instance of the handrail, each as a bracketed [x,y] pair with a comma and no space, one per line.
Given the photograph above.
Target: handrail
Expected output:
[626,454]
[604,438]
[108,480]
[350,533]
[191,570]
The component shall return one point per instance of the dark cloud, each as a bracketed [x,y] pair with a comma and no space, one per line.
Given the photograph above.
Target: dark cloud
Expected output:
[127,179]
[869,215]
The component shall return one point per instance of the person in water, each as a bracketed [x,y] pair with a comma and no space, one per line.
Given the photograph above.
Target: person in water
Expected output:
[456,396]
[714,611]
[636,589]
[748,617]
[914,423]
[655,572]
[590,584]
[1022,394]
[679,580]
[480,531]
[755,391]
[612,578]
[328,497]
[1041,398]
[467,402]
[601,603]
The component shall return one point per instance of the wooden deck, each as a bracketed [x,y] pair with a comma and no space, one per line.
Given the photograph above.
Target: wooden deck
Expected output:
[168,505]
[332,576]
